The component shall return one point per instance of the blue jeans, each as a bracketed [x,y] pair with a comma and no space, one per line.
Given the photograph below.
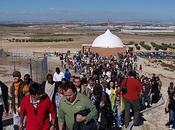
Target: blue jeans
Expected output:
[145,98]
[172,118]
[117,115]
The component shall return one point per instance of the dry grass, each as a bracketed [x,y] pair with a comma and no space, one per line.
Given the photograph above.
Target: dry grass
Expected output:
[169,66]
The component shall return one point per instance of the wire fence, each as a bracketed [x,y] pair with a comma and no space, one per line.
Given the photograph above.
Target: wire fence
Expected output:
[36,66]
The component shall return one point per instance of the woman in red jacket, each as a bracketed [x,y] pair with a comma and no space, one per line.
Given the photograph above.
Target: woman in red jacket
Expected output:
[37,107]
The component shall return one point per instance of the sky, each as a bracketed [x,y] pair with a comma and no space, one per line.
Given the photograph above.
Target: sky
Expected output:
[87,10]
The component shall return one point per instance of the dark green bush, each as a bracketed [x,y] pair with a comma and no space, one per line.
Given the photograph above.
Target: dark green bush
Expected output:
[138,47]
[147,47]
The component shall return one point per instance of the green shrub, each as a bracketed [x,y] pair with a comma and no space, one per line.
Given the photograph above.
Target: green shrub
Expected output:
[153,44]
[136,44]
[147,47]
[156,48]
[41,40]
[130,43]
[138,47]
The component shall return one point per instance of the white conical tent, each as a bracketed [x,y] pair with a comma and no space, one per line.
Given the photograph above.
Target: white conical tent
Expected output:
[107,40]
[108,44]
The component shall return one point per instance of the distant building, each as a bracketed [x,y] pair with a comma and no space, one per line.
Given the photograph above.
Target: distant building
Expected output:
[107,44]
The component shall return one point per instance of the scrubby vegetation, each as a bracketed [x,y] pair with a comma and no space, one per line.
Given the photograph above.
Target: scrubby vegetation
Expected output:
[170,66]
[158,47]
[40,40]
[130,43]
[138,47]
[147,47]
[154,45]
[163,46]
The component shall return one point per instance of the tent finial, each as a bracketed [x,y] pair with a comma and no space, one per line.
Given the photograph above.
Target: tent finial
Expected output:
[108,25]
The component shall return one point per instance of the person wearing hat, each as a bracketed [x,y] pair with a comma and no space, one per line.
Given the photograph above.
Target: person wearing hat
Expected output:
[16,97]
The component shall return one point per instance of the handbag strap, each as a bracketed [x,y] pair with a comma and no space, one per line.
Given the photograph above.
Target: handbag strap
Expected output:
[126,82]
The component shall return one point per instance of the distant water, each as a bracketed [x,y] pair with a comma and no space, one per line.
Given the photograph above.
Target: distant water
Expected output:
[99,27]
[146,31]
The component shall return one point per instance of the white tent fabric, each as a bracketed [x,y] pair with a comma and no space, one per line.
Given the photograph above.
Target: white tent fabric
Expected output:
[108,40]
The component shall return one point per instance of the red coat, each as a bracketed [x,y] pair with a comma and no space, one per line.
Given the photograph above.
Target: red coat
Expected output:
[39,121]
[134,88]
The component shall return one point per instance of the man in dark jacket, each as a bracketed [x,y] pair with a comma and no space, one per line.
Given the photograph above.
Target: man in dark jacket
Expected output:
[103,105]
[3,101]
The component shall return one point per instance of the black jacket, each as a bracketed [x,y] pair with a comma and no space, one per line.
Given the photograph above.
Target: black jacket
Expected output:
[4,90]
[91,125]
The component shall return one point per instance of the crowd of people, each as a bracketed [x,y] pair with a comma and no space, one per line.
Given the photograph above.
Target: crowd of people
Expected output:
[107,92]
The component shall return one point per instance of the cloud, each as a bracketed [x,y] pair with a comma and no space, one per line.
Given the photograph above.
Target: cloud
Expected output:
[52,8]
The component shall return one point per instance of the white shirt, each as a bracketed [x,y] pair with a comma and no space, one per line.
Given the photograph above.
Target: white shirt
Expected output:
[49,89]
[58,77]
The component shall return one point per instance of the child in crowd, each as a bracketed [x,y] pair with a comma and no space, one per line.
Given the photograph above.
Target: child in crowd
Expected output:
[59,94]
[118,108]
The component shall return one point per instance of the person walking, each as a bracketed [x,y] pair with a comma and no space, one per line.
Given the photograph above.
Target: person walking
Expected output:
[103,105]
[132,97]
[67,74]
[27,82]
[71,104]
[170,91]
[170,107]
[3,101]
[36,107]
[58,75]
[16,92]
[49,88]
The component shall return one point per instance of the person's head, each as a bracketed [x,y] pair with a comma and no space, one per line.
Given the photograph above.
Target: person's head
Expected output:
[59,87]
[97,92]
[50,78]
[111,84]
[157,78]
[132,73]
[67,70]
[57,70]
[35,90]
[145,80]
[63,80]
[27,78]
[171,84]
[154,75]
[91,81]
[16,76]
[77,81]
[69,91]
[101,80]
